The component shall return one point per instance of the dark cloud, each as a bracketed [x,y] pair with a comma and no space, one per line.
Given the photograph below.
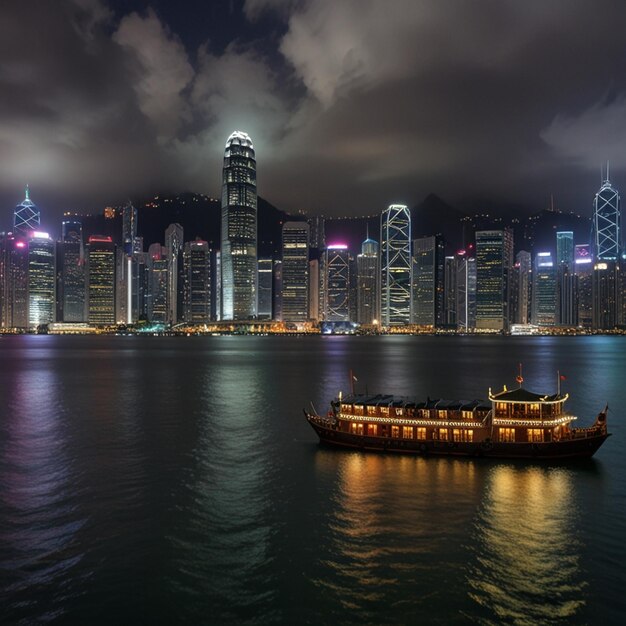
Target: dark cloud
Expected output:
[352,105]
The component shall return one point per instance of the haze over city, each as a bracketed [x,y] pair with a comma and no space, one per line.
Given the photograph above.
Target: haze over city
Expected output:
[351,105]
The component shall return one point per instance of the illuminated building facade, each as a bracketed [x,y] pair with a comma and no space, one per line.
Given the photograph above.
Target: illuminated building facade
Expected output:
[72,283]
[174,245]
[101,280]
[368,283]
[395,260]
[157,301]
[565,279]
[606,298]
[197,285]
[449,291]
[26,216]
[583,268]
[427,285]
[14,282]
[494,259]
[465,291]
[606,222]
[544,290]
[41,279]
[520,288]
[239,229]
[265,292]
[337,282]
[295,285]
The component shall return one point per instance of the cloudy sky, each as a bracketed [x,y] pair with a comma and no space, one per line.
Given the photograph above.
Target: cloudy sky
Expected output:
[351,104]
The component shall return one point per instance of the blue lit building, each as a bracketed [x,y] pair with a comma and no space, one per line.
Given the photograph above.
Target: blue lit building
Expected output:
[26,216]
[606,222]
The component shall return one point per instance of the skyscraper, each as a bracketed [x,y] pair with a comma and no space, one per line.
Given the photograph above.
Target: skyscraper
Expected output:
[494,259]
[368,283]
[129,227]
[520,296]
[41,279]
[395,260]
[565,249]
[101,280]
[427,285]
[337,281]
[157,302]
[606,222]
[295,286]
[72,272]
[544,290]
[565,279]
[265,292]
[26,216]
[465,291]
[583,265]
[174,245]
[197,284]
[239,229]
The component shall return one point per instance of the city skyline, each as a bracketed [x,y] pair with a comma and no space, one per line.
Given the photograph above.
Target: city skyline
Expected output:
[124,99]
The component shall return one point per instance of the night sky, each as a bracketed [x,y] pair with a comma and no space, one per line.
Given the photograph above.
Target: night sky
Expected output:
[351,104]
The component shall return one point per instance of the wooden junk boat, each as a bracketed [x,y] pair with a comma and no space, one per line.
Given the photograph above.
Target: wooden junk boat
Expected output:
[513,424]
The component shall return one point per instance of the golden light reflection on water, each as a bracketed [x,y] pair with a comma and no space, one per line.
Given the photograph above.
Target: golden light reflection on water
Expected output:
[526,556]
[391,521]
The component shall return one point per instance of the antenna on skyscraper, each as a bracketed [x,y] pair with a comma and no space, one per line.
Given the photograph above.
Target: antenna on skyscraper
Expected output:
[552,202]
[601,175]
[607,170]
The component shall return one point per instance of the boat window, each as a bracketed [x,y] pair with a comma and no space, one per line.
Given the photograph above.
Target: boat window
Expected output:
[461,434]
[443,434]
[407,432]
[469,435]
[399,411]
[421,432]
[358,410]
[467,414]
[395,431]
[535,434]
[372,430]
[371,410]
[442,413]
[356,428]
[384,410]
[507,434]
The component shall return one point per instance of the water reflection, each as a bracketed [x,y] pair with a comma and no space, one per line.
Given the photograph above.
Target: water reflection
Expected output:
[526,567]
[393,520]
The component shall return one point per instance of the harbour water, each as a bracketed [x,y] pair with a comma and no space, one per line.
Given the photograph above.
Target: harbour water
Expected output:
[175,480]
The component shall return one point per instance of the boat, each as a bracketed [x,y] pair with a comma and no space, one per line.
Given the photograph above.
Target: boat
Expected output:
[515,423]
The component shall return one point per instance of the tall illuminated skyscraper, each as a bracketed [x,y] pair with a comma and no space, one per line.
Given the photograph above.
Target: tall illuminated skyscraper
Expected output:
[197,282]
[427,284]
[368,283]
[295,285]
[494,260]
[337,283]
[41,279]
[26,216]
[72,272]
[395,261]
[544,300]
[606,222]
[101,280]
[174,245]
[239,229]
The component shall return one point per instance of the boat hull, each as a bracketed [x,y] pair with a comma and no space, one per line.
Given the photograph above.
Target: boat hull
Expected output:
[576,448]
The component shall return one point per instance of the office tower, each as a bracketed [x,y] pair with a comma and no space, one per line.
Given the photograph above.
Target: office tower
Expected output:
[14,282]
[565,249]
[314,290]
[337,282]
[565,279]
[265,292]
[449,292]
[520,288]
[129,227]
[494,259]
[583,268]
[605,296]
[606,222]
[174,245]
[395,260]
[41,279]
[544,290]
[295,288]
[277,288]
[26,216]
[239,229]
[465,291]
[368,283]
[216,285]
[72,272]
[123,286]
[100,280]
[157,299]
[197,283]
[141,284]
[427,286]
[317,234]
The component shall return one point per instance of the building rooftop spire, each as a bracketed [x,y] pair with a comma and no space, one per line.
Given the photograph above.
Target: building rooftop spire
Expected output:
[26,193]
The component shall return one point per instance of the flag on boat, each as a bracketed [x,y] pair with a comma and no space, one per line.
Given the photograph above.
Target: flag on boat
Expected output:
[563,377]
